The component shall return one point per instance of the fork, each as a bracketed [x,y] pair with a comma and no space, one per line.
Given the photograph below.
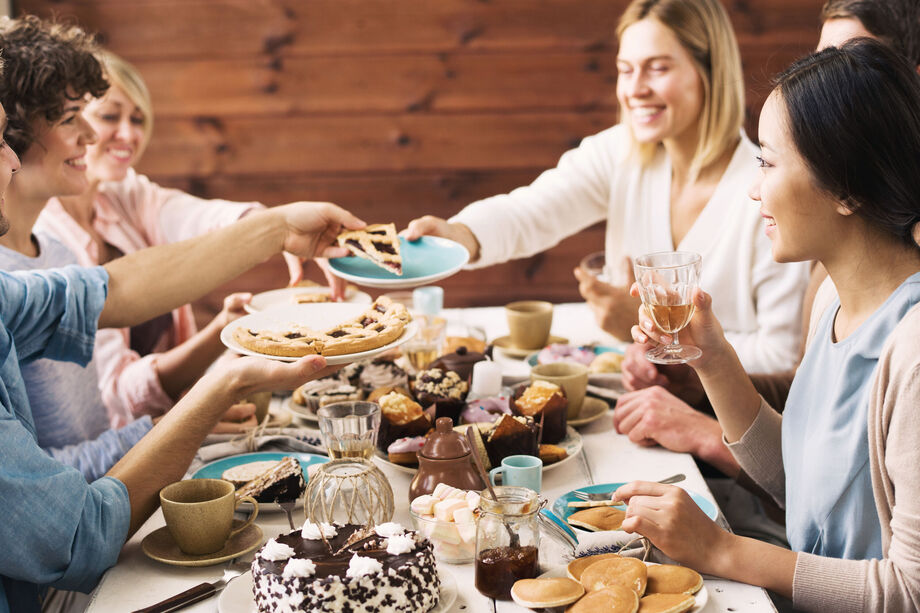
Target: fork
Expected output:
[196,594]
[592,496]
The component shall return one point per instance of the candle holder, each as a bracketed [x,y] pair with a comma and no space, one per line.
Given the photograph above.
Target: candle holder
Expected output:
[348,492]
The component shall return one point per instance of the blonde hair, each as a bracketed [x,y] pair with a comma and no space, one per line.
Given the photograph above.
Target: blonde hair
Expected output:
[123,75]
[702,27]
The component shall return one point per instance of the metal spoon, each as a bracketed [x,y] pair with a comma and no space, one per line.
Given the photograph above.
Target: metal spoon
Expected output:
[515,540]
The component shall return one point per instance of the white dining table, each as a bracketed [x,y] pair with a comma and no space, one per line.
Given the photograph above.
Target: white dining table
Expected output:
[137,581]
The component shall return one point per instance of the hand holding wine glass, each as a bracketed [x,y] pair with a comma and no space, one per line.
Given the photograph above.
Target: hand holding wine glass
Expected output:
[666,283]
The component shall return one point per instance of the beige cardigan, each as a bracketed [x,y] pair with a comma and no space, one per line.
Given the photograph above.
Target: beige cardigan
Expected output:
[892,583]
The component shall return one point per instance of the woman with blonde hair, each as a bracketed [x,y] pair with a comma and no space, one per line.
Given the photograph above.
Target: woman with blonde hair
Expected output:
[672,175]
[144,369]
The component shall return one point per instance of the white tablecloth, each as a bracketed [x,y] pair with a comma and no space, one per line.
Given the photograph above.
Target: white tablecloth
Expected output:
[137,581]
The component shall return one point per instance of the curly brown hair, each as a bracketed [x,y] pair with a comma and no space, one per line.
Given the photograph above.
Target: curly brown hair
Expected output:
[45,65]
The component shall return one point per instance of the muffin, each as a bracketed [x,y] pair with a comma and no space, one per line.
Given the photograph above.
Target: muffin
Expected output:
[320,392]
[460,361]
[381,373]
[400,417]
[444,389]
[545,402]
[512,436]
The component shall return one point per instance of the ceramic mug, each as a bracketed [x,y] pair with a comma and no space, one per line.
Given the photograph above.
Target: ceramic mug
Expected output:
[571,377]
[519,471]
[199,514]
[529,322]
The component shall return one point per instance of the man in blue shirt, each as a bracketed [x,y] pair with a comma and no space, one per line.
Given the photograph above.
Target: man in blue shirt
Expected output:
[58,530]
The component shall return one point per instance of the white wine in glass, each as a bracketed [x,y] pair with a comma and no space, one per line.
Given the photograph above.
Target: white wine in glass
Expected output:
[666,282]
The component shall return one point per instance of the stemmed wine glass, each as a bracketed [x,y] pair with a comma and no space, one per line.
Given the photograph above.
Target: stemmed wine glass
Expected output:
[666,282]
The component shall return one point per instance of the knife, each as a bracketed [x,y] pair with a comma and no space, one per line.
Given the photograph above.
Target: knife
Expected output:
[192,595]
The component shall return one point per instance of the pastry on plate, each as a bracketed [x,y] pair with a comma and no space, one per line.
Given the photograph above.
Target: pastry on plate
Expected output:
[577,566]
[614,599]
[281,482]
[444,389]
[378,243]
[673,579]
[550,454]
[598,519]
[625,572]
[666,603]
[511,436]
[545,402]
[546,593]
[400,417]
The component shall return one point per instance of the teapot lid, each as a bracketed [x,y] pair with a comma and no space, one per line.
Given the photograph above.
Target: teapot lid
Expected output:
[445,443]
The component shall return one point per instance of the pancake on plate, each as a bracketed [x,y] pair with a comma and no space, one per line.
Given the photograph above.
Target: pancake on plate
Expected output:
[598,519]
[546,593]
[615,599]
[666,603]
[627,572]
[576,567]
[671,579]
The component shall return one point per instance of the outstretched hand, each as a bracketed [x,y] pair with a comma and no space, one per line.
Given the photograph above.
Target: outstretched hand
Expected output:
[429,225]
[312,227]
[613,307]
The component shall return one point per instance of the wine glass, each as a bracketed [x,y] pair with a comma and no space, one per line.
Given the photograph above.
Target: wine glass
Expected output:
[666,282]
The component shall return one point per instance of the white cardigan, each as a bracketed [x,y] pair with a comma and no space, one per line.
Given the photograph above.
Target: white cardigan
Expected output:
[757,301]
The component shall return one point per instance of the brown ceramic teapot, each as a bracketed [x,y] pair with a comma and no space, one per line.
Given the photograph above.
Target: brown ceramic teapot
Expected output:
[445,458]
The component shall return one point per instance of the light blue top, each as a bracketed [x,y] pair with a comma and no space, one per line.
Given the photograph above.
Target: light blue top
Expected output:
[56,528]
[830,508]
[70,418]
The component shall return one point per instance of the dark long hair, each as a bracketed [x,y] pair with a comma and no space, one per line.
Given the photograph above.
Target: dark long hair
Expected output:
[44,63]
[894,22]
[854,115]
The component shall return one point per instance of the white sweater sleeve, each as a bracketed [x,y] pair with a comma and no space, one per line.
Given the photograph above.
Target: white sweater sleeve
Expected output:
[559,203]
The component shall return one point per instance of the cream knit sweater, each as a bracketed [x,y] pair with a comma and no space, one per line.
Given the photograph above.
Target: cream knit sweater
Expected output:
[892,583]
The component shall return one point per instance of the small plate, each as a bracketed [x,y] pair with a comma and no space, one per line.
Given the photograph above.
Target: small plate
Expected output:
[424,261]
[561,508]
[592,409]
[298,410]
[505,346]
[572,443]
[215,470]
[532,358]
[285,297]
[237,596]
[702,596]
[160,546]
[316,316]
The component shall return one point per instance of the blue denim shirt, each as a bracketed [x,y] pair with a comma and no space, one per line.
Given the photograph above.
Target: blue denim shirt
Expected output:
[56,529]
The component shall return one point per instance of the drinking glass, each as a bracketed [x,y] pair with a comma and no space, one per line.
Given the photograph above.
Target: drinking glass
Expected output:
[426,345]
[349,429]
[666,282]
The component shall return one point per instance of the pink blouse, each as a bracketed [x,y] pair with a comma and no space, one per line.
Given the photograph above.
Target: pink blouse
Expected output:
[133,214]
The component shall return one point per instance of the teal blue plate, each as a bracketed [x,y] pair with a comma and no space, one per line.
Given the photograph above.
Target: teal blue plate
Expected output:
[598,349]
[563,510]
[215,469]
[424,261]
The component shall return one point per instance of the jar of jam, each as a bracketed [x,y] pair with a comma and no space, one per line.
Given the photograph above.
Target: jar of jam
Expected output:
[507,540]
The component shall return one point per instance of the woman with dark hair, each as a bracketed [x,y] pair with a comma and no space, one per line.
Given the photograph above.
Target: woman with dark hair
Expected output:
[894,22]
[840,136]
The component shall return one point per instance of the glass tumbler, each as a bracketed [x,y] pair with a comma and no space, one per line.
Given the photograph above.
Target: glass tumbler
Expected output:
[507,540]
[349,429]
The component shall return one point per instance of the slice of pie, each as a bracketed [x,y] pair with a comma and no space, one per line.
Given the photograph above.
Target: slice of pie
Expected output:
[377,243]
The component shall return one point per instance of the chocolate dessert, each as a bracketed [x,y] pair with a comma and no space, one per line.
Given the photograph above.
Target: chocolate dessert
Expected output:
[283,482]
[444,389]
[548,399]
[512,436]
[460,361]
[346,568]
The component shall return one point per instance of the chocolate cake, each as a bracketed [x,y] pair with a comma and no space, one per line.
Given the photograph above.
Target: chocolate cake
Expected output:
[346,568]
[282,482]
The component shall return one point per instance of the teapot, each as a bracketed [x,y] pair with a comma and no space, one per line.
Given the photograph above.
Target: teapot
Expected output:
[446,458]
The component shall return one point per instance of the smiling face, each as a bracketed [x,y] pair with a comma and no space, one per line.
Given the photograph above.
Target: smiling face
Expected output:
[54,164]
[659,89]
[119,124]
[800,217]
[9,163]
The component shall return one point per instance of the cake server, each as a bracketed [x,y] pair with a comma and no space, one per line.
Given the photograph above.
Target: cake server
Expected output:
[195,594]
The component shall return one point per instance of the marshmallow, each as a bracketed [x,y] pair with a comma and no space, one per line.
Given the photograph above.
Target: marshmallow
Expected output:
[423,505]
[442,490]
[444,509]
[472,500]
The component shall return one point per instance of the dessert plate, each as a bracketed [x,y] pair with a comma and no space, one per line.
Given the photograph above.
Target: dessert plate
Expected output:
[215,470]
[561,508]
[237,596]
[702,596]
[316,316]
[592,409]
[572,443]
[285,297]
[598,349]
[298,410]
[505,346]
[426,260]
[160,546]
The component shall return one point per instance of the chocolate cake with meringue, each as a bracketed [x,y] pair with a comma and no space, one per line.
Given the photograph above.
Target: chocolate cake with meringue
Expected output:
[334,568]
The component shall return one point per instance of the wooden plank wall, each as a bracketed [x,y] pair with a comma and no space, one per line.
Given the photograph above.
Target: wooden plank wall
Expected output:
[392,108]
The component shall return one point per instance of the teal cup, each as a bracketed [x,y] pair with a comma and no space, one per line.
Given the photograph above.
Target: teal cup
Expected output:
[519,470]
